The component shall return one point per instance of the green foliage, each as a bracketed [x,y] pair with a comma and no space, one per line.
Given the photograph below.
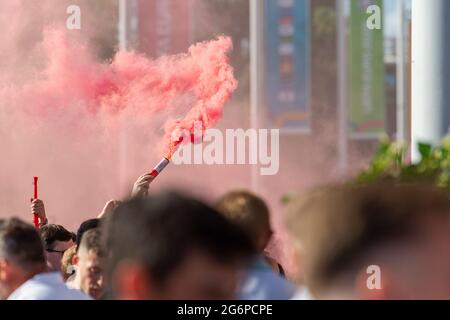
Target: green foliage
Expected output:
[390,163]
[387,163]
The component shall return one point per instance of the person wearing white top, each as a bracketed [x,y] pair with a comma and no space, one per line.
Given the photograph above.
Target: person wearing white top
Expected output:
[23,267]
[303,294]
[47,286]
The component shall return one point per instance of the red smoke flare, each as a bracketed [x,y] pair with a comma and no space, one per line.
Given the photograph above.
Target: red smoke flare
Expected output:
[187,88]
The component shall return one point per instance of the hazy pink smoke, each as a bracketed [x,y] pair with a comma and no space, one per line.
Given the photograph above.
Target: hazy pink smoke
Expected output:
[185,88]
[69,119]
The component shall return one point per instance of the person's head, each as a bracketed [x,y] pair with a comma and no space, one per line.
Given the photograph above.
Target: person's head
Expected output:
[173,247]
[67,268]
[250,213]
[89,261]
[56,241]
[21,255]
[85,226]
[376,242]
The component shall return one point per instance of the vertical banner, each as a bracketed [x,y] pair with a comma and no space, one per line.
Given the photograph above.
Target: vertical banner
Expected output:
[367,84]
[287,64]
[165,26]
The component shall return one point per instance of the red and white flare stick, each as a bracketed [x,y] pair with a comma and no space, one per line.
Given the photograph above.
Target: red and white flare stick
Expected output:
[166,160]
[160,167]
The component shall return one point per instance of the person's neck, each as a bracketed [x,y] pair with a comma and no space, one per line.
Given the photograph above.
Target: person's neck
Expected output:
[76,283]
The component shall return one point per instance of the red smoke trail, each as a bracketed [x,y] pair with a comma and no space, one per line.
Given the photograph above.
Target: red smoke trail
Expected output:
[186,88]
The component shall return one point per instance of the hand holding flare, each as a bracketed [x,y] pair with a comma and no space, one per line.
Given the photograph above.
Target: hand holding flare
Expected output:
[141,186]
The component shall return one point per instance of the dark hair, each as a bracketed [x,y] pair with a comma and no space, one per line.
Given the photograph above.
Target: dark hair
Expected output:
[21,243]
[340,226]
[91,240]
[248,211]
[160,231]
[85,226]
[54,232]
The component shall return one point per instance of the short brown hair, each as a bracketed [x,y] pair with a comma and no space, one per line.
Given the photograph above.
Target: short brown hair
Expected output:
[339,226]
[248,211]
[54,232]
[92,241]
[21,243]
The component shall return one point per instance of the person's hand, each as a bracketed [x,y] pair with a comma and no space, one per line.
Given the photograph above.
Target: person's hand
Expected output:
[38,208]
[141,186]
[110,206]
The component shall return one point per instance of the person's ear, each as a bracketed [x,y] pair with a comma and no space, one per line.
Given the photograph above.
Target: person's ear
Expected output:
[372,283]
[264,241]
[132,282]
[3,269]
[75,260]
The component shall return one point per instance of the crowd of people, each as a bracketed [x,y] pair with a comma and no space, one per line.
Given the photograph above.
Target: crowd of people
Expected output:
[377,241]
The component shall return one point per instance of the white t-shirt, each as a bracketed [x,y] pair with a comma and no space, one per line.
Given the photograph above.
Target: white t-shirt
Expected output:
[302,294]
[47,286]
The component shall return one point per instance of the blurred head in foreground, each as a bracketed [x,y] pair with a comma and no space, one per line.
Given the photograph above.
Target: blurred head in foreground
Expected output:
[90,261]
[173,247]
[21,255]
[375,242]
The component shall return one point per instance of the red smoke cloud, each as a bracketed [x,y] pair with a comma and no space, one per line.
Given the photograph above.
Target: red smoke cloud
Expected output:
[185,88]
[63,113]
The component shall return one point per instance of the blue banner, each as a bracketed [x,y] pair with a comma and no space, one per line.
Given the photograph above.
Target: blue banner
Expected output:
[287,80]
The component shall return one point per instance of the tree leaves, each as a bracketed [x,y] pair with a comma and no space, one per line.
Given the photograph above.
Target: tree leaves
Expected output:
[389,164]
[425,150]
